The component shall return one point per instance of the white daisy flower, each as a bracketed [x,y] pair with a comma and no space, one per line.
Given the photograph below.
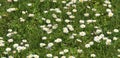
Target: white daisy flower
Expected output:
[22,20]
[91,43]
[65,30]
[82,26]
[93,55]
[81,0]
[71,57]
[54,0]
[97,39]
[67,21]
[64,2]
[0,17]
[115,38]
[97,14]
[54,15]
[29,4]
[108,10]
[10,40]
[71,16]
[49,55]
[61,53]
[118,55]
[42,0]
[70,27]
[87,46]
[74,10]
[42,44]
[116,30]
[74,1]
[79,50]
[8,49]
[81,21]
[48,21]
[55,57]
[9,30]
[66,50]
[11,9]
[15,0]
[63,56]
[44,38]
[46,11]
[10,56]
[118,50]
[82,33]
[31,15]
[15,45]
[108,32]
[108,42]
[50,44]
[93,9]
[98,31]
[24,12]
[78,40]
[86,14]
[58,20]
[110,14]
[58,40]
[9,0]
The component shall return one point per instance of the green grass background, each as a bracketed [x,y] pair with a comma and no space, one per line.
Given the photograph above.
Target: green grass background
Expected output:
[31,30]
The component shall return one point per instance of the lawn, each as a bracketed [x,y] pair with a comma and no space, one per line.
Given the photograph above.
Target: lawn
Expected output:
[59,29]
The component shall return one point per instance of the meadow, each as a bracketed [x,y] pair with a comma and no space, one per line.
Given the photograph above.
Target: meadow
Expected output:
[59,29]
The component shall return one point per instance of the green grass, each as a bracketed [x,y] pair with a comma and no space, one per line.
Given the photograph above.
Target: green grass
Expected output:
[31,31]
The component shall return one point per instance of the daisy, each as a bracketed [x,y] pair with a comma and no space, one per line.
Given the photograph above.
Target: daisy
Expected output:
[116,30]
[81,21]
[58,40]
[110,14]
[71,57]
[50,44]
[79,50]
[82,33]
[63,56]
[115,38]
[71,16]
[58,20]
[55,57]
[81,0]
[74,10]
[10,40]
[61,53]
[15,45]
[93,55]
[86,14]
[108,42]
[70,27]
[65,30]
[49,55]
[44,38]
[31,15]
[87,46]
[41,0]
[82,26]
[8,49]
[29,4]
[97,14]
[15,0]
[66,50]
[48,21]
[0,17]
[91,43]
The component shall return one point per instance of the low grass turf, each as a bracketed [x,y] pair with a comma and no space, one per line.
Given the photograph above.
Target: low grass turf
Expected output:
[31,31]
